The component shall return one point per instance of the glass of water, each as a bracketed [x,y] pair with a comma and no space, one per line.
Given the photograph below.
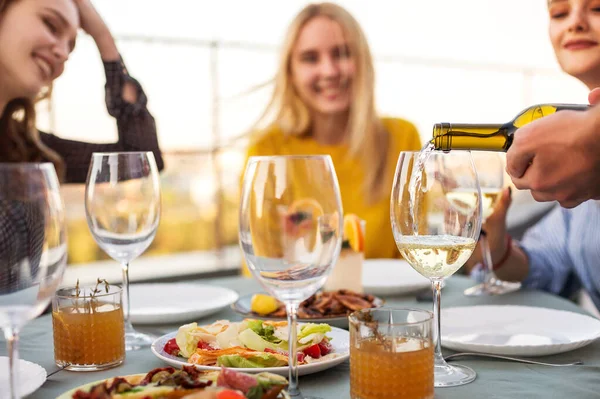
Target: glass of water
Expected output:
[122,204]
[290,231]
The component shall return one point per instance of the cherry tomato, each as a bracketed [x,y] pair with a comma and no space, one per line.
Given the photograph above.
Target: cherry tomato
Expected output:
[229,394]
[325,347]
[205,345]
[171,347]
[313,351]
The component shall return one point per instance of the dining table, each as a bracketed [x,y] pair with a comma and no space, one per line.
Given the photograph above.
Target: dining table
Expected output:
[495,378]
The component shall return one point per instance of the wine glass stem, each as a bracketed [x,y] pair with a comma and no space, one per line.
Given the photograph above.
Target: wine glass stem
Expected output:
[488,264]
[292,316]
[437,327]
[12,345]
[126,306]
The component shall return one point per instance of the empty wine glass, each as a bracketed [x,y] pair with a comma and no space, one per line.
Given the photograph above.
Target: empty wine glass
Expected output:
[290,231]
[33,250]
[436,230]
[122,205]
[490,170]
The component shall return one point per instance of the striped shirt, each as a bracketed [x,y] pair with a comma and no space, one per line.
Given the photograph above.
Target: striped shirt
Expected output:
[564,251]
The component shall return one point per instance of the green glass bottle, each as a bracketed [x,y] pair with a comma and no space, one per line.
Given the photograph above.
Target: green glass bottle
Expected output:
[490,137]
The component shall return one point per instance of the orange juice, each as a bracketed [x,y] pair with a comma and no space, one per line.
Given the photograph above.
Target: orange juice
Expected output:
[89,338]
[401,370]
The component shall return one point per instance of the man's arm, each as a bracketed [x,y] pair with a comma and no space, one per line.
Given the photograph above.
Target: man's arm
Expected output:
[558,157]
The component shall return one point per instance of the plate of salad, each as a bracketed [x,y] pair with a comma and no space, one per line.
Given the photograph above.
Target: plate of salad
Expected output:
[253,346]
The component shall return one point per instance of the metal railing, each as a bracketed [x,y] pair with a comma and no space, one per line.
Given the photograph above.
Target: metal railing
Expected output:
[215,46]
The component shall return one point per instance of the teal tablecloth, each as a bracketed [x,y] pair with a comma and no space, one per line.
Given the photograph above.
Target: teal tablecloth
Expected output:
[495,379]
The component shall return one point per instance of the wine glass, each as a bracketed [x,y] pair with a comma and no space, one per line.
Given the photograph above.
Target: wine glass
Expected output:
[290,231]
[122,205]
[436,230]
[33,250]
[490,170]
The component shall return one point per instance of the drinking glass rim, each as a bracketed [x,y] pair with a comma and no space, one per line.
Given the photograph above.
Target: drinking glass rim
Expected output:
[293,156]
[105,154]
[26,165]
[352,316]
[437,152]
[113,289]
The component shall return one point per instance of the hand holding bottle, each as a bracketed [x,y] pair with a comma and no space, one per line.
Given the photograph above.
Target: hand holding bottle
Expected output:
[495,228]
[558,157]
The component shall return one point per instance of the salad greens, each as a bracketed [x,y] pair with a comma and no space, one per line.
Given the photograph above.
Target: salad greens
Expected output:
[264,337]
[259,360]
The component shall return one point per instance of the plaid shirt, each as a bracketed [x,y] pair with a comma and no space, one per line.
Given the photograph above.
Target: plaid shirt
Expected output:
[22,224]
[21,244]
[136,127]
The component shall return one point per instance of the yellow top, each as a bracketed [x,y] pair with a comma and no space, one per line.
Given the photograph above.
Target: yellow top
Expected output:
[379,241]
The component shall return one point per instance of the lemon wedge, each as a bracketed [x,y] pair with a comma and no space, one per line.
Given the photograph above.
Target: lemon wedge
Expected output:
[263,304]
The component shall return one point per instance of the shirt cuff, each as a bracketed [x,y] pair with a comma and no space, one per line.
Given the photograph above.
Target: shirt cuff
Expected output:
[116,77]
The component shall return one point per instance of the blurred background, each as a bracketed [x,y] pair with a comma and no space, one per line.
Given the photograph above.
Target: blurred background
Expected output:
[206,67]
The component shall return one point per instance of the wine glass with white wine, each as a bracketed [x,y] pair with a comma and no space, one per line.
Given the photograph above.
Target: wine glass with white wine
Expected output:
[122,205]
[435,233]
[490,171]
[290,232]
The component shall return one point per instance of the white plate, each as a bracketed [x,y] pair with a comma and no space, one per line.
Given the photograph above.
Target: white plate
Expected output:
[176,302]
[340,342]
[516,330]
[391,277]
[31,377]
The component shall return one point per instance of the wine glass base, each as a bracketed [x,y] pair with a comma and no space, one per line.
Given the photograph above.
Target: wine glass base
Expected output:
[453,375]
[136,340]
[495,287]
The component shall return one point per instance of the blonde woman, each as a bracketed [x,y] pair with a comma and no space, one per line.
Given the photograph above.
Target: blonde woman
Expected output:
[324,103]
[36,39]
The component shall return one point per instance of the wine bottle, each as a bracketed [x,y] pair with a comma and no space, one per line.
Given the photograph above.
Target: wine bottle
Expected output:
[491,137]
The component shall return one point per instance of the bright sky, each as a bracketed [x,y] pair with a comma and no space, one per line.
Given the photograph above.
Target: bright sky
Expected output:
[436,60]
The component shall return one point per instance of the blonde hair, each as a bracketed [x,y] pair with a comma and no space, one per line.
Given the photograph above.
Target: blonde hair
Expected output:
[19,137]
[367,139]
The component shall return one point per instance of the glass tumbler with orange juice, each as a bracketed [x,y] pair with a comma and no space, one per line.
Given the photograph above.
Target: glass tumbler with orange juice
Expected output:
[391,354]
[88,328]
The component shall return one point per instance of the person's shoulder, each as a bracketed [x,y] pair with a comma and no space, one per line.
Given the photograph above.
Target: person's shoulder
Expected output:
[396,126]
[402,132]
[269,133]
[266,140]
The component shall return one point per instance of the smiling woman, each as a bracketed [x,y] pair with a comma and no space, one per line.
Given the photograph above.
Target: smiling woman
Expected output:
[36,39]
[574,31]
[324,103]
